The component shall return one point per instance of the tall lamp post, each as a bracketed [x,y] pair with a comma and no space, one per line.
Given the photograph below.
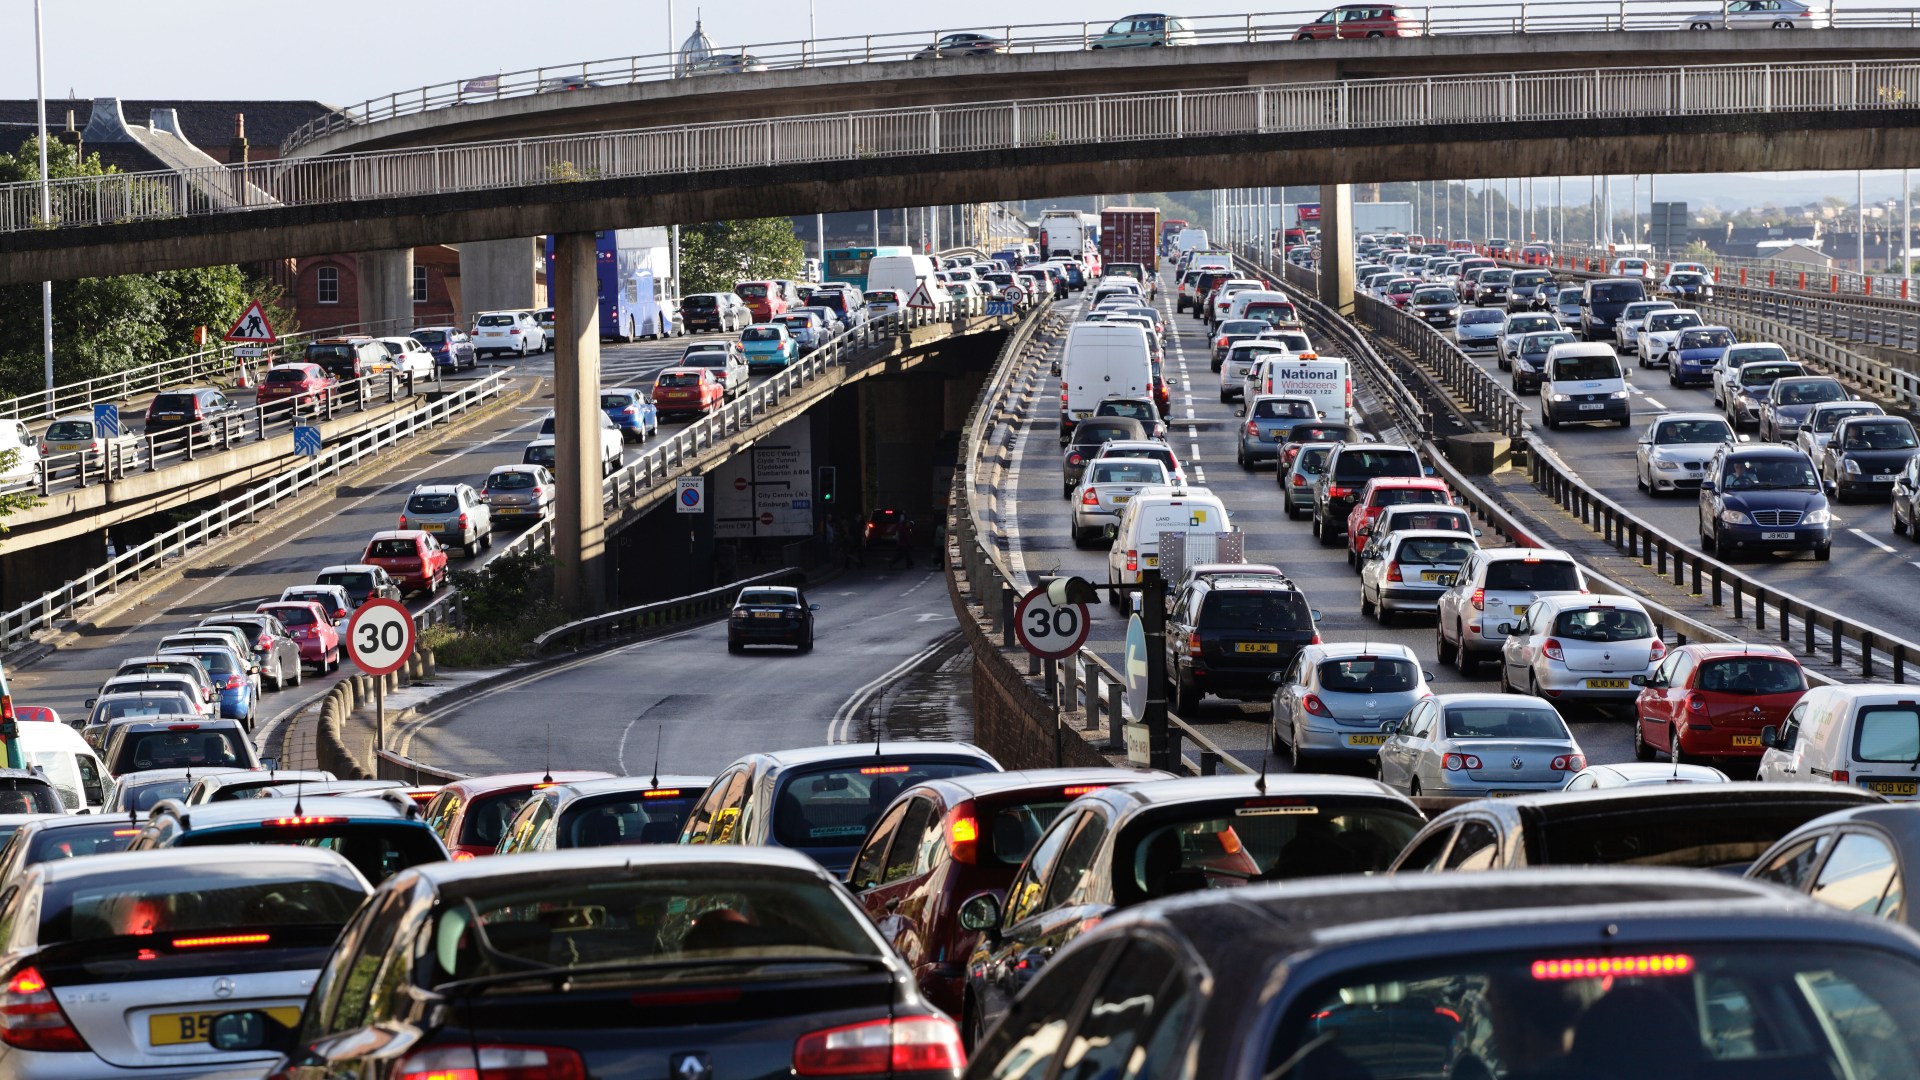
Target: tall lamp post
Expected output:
[46,192]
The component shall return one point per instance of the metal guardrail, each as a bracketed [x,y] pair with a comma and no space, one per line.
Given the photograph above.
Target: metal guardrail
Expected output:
[1247,28]
[614,625]
[1482,393]
[1785,275]
[1157,115]
[1895,385]
[42,612]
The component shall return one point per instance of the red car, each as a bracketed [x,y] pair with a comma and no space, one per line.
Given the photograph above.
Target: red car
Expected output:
[764,298]
[1536,255]
[942,842]
[1382,492]
[471,815]
[883,529]
[1717,697]
[312,630]
[683,391]
[413,559]
[305,383]
[1400,290]
[1364,21]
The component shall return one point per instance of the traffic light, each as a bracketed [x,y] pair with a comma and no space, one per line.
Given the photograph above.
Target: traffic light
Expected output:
[828,478]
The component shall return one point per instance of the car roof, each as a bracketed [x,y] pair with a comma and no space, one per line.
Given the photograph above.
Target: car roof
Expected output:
[161,723]
[359,567]
[437,489]
[399,534]
[854,753]
[688,783]
[154,776]
[1716,650]
[471,786]
[1745,450]
[547,863]
[956,788]
[147,659]
[1589,600]
[1333,650]
[1524,553]
[190,859]
[1615,801]
[1278,785]
[249,811]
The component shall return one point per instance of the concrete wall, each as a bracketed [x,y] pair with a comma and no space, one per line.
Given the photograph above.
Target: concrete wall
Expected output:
[497,274]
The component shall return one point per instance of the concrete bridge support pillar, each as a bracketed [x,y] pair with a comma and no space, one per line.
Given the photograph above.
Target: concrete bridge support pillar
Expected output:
[1336,247]
[386,290]
[579,528]
[496,274]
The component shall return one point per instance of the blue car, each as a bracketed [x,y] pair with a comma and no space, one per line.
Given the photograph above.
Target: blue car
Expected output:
[631,412]
[768,345]
[1764,498]
[1695,352]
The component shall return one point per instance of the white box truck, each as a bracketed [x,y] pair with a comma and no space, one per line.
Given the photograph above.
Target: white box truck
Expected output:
[1063,234]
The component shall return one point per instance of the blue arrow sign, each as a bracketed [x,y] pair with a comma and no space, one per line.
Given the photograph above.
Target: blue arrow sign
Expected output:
[999,307]
[307,440]
[107,419]
[1135,667]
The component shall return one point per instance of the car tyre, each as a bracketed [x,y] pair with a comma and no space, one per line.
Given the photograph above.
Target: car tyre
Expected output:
[298,674]
[1442,651]
[1899,527]
[1722,549]
[1293,512]
[735,647]
[1186,698]
[1366,605]
[807,645]
[1641,751]
[1823,553]
[278,681]
[1464,661]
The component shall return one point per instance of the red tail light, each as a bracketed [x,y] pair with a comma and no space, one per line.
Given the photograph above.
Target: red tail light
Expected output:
[1457,762]
[235,682]
[1299,481]
[403,522]
[1340,492]
[30,1018]
[1075,458]
[462,856]
[1091,498]
[1658,652]
[1842,776]
[1393,572]
[1552,651]
[1569,763]
[1314,705]
[1133,561]
[1695,704]
[1479,599]
[498,1061]
[876,1047]
[463,521]
[1193,645]
[1253,427]
[963,834]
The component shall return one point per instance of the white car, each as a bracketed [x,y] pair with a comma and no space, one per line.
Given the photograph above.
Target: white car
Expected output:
[612,441]
[1639,268]
[412,358]
[1240,360]
[1518,323]
[1817,430]
[516,332]
[1726,374]
[17,440]
[1660,330]
[1626,328]
[1674,450]
[1580,648]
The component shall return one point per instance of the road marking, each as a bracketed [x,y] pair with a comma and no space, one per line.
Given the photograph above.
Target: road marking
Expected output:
[1650,400]
[842,723]
[1875,541]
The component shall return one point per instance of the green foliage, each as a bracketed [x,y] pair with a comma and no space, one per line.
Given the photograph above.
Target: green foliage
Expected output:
[104,325]
[720,254]
[11,501]
[507,602]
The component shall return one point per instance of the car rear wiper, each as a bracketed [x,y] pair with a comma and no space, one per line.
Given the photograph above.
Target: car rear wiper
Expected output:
[563,973]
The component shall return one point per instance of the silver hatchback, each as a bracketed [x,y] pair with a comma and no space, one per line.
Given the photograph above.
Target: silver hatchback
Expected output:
[1479,745]
[1410,569]
[1104,490]
[1333,699]
[1581,648]
[519,493]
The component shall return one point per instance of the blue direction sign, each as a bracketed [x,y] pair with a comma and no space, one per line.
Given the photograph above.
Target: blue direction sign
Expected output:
[999,307]
[107,419]
[307,440]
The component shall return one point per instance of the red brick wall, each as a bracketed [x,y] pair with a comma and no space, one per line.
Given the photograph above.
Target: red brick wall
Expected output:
[438,307]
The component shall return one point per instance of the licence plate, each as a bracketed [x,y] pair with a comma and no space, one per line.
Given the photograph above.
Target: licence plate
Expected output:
[766,614]
[1440,576]
[505,510]
[1885,478]
[1255,647]
[432,526]
[1586,406]
[1746,740]
[1505,794]
[1366,740]
[169,416]
[1520,609]
[1776,536]
[1607,684]
[1276,432]
[174,1029]
[1118,499]
[1894,787]
[1151,560]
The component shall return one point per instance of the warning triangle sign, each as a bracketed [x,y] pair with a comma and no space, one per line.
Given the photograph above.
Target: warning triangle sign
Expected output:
[920,299]
[252,326]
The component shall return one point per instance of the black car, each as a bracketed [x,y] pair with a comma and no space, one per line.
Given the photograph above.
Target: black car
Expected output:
[1348,470]
[1227,636]
[1125,845]
[1603,301]
[770,615]
[1493,287]
[380,833]
[1548,973]
[188,411]
[1089,436]
[1532,290]
[962,45]
[620,964]
[1867,454]
[1437,305]
[25,791]
[1763,498]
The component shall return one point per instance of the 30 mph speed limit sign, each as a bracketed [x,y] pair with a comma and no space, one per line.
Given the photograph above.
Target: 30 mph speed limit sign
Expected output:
[1048,632]
[380,636]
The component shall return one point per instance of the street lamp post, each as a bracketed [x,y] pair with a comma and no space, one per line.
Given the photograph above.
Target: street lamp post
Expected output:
[46,193]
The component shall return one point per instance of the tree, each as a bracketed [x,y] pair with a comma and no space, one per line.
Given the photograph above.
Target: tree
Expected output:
[17,500]
[720,254]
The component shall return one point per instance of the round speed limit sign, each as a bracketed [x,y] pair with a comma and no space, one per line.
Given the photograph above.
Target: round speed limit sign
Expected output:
[1048,632]
[380,636]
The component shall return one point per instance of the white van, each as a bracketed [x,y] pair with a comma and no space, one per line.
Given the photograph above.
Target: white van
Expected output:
[1865,735]
[1102,360]
[1326,380]
[69,763]
[1191,240]
[15,436]
[907,273]
[1582,382]
[1152,511]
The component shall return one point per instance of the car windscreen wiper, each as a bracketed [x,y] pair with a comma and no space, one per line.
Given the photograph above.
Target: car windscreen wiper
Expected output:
[562,973]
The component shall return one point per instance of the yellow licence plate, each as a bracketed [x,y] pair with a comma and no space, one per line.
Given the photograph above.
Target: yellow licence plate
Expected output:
[1366,740]
[1118,499]
[1256,647]
[766,614]
[1607,684]
[1520,609]
[1442,576]
[174,1029]
[1746,740]
[1894,787]
[432,526]
[1151,560]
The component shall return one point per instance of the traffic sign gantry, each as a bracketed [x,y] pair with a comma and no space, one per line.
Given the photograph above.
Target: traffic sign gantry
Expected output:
[1048,631]
[380,636]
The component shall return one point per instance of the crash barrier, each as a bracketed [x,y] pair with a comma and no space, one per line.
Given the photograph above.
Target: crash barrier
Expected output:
[597,630]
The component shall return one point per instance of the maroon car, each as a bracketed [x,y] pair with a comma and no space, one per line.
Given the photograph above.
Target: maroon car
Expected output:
[943,841]
[1365,21]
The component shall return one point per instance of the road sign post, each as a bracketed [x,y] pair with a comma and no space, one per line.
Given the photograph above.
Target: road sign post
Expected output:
[1049,631]
[380,638]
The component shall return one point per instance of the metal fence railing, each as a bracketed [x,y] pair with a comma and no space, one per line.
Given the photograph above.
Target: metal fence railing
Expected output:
[615,625]
[1555,16]
[1405,103]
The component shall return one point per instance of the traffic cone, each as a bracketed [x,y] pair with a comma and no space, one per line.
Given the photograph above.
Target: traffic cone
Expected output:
[245,381]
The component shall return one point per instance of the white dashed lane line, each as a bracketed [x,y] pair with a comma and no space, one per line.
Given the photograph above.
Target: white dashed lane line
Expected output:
[1875,541]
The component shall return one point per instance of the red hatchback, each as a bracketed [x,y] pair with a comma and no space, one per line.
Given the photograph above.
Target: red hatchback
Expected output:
[1382,492]
[302,383]
[687,391]
[1364,21]
[412,558]
[312,629]
[943,842]
[1717,698]
[471,815]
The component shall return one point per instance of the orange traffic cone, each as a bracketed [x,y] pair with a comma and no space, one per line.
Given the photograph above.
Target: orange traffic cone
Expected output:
[245,382]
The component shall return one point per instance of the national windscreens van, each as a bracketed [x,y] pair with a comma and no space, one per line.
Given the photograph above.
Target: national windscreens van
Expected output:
[1100,361]
[1328,380]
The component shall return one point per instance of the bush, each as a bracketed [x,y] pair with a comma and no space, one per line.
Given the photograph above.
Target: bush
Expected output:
[490,646]
[507,603]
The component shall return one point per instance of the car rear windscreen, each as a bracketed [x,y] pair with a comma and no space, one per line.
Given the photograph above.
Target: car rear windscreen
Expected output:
[437,503]
[158,905]
[1615,292]
[322,353]
[1533,575]
[751,292]
[353,581]
[1700,835]
[649,817]
[1750,676]
[1369,675]
[1433,551]
[286,374]
[497,320]
[1888,733]
[393,549]
[1603,624]
[1232,843]
[71,430]
[1256,610]
[190,747]
[376,848]
[430,337]
[294,616]
[700,302]
[835,805]
[1356,464]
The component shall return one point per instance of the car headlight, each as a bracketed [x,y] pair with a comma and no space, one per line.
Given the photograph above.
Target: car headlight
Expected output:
[1786,421]
[1851,466]
[1558,397]
[1667,466]
[1818,517]
[1735,517]
[1618,395]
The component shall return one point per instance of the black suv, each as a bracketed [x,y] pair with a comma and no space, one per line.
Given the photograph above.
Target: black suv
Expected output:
[1348,470]
[1226,635]
[1602,303]
[189,409]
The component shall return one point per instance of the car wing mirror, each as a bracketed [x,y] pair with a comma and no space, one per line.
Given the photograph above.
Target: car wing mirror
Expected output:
[980,913]
[1770,736]
[1316,614]
[1504,628]
[1706,485]
[1640,680]
[1389,727]
[250,1030]
[813,607]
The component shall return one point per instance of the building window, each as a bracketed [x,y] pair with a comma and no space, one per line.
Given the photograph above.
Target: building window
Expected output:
[326,283]
[419,284]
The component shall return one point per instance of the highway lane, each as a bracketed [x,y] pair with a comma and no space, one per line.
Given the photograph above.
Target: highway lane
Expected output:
[1203,436]
[704,706]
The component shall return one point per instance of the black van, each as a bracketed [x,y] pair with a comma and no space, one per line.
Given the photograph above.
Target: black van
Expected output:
[1603,302]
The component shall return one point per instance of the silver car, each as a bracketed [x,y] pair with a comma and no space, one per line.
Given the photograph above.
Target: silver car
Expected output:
[1494,587]
[1409,570]
[1581,648]
[1660,331]
[1520,323]
[1643,774]
[1817,430]
[1479,745]
[137,705]
[1674,450]
[1480,328]
[1761,15]
[454,513]
[1333,698]
[1298,480]
[215,929]
[1104,491]
[519,493]
[1626,328]
[333,599]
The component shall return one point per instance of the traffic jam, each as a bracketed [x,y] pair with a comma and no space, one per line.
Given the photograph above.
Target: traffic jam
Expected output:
[1730,903]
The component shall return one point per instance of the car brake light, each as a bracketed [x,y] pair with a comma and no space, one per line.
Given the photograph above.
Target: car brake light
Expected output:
[308,819]
[1842,776]
[1479,600]
[1393,572]
[1133,561]
[1569,763]
[1193,645]
[1595,967]
[537,493]
[462,856]
[216,940]
[1339,492]
[911,1044]
[1081,789]
[1551,650]
[963,834]
[183,727]
[497,1061]
[1299,481]
[882,770]
[1091,498]
[30,1018]
[235,682]
[403,521]
[1074,458]
[463,521]
[1253,427]
[1457,762]
[1659,650]
[1314,705]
